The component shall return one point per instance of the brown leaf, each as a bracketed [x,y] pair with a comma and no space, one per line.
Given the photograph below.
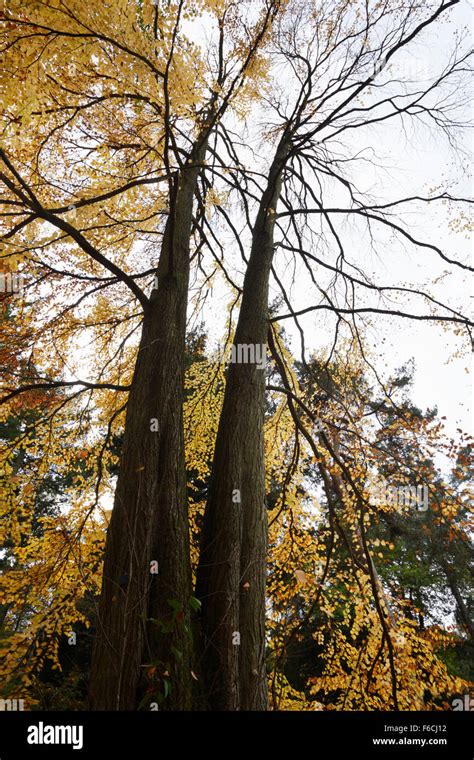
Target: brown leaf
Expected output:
[300,576]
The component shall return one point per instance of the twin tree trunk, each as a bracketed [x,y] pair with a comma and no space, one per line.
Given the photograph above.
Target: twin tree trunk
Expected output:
[232,566]
[144,615]
[143,625]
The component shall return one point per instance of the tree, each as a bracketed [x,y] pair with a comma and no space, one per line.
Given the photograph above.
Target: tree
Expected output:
[231,579]
[326,637]
[140,143]
[150,496]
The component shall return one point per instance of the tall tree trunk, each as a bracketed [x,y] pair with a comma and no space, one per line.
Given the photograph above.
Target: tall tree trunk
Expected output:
[149,522]
[232,566]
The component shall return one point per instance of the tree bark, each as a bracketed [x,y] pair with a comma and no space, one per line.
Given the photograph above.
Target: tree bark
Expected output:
[231,575]
[149,521]
[461,607]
